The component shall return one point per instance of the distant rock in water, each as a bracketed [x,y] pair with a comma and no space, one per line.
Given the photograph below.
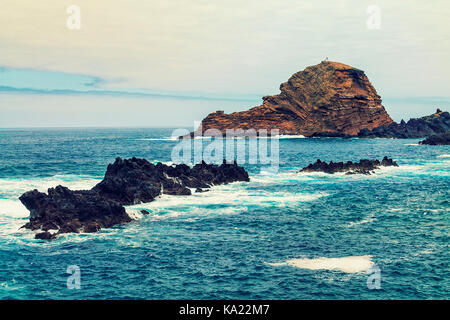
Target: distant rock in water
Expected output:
[328,99]
[364,166]
[126,182]
[441,139]
[437,123]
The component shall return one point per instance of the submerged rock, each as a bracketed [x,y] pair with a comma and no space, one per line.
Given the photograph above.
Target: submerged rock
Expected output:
[126,182]
[364,166]
[439,139]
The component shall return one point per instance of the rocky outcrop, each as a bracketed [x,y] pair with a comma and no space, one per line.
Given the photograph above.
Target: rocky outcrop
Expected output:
[330,98]
[435,124]
[132,181]
[441,139]
[64,211]
[364,166]
[126,182]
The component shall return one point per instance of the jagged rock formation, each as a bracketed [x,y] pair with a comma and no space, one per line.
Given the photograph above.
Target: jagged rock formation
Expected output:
[132,181]
[364,166]
[126,182]
[65,211]
[435,124]
[440,139]
[330,98]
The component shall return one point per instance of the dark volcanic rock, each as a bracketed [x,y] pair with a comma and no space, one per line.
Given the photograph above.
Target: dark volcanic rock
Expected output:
[441,139]
[437,123]
[64,211]
[126,182]
[132,181]
[45,235]
[364,166]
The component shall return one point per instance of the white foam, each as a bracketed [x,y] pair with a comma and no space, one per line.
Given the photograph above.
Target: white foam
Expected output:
[299,136]
[395,209]
[159,139]
[353,264]
[290,136]
[232,199]
[401,170]
[134,214]
[16,187]
[266,177]
[434,168]
[444,156]
[368,219]
[13,208]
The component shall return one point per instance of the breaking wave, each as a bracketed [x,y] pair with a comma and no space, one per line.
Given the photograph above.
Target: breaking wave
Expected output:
[353,264]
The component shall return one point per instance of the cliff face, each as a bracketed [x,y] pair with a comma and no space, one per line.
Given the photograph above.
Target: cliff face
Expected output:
[330,98]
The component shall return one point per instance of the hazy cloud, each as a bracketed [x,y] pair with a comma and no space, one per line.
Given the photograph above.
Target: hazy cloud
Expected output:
[230,47]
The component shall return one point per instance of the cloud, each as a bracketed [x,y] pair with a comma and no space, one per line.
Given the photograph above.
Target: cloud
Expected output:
[29,81]
[219,48]
[223,46]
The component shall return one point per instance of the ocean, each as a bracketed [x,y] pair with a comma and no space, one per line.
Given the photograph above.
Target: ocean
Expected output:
[283,235]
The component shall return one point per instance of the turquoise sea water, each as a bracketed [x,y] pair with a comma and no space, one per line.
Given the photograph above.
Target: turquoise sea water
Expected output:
[229,243]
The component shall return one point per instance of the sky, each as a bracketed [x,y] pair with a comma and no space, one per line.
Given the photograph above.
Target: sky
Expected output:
[170,62]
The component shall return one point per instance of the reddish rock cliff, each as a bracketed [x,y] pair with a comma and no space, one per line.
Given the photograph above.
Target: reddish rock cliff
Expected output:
[325,99]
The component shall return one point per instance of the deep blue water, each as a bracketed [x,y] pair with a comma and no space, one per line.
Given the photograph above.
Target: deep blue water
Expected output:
[225,244]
